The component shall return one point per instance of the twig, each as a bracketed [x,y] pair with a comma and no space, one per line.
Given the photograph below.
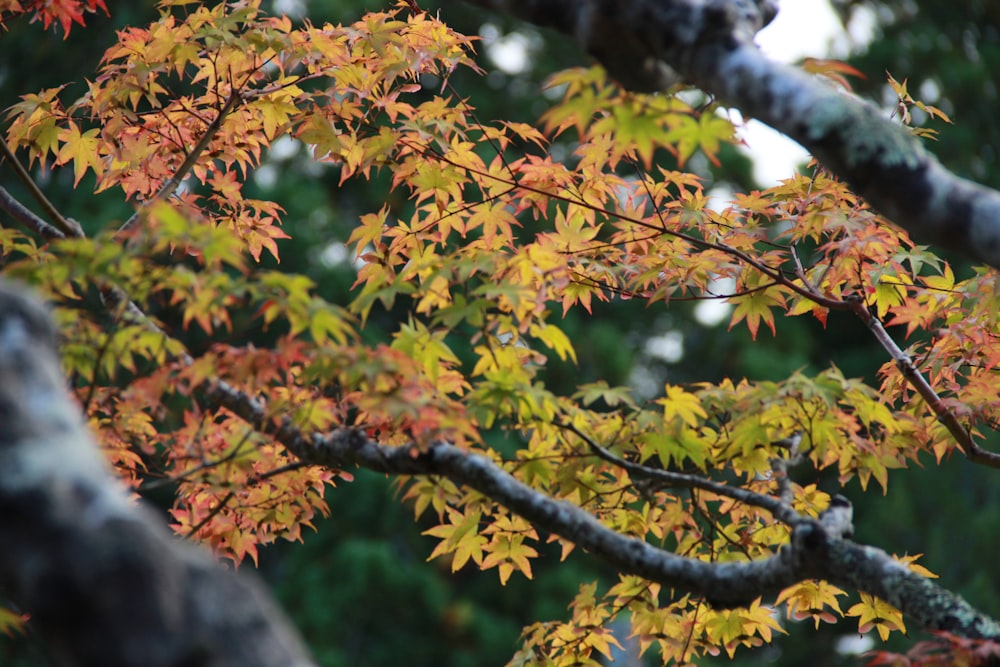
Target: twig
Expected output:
[212,514]
[772,273]
[201,467]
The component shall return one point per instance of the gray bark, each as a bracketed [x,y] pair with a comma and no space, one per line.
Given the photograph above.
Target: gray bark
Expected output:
[105,583]
[650,44]
[815,552]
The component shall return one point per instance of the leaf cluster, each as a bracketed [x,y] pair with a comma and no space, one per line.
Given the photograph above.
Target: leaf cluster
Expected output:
[499,238]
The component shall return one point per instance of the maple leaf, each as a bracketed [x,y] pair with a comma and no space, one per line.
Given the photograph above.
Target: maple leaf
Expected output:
[507,553]
[810,599]
[63,12]
[461,536]
[873,612]
[706,132]
[82,149]
[682,404]
[834,70]
[755,307]
[911,562]
[554,337]
[241,544]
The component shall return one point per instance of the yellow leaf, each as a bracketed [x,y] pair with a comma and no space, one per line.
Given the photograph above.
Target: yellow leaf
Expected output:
[460,536]
[873,612]
[555,339]
[911,562]
[811,599]
[682,404]
[507,552]
[82,149]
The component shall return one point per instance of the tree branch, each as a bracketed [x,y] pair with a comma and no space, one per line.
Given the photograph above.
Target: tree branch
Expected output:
[26,218]
[647,44]
[59,511]
[916,379]
[66,226]
[812,554]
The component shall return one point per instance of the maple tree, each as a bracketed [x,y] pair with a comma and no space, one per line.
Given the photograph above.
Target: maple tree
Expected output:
[691,497]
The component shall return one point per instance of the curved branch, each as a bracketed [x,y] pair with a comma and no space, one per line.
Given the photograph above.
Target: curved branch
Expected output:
[709,43]
[814,552]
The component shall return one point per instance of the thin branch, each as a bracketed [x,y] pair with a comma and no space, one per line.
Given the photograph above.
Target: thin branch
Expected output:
[280,470]
[780,510]
[64,225]
[201,467]
[214,512]
[29,220]
[772,273]
[812,554]
[948,419]
[190,161]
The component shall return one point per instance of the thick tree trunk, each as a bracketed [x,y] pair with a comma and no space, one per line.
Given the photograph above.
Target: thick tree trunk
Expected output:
[105,583]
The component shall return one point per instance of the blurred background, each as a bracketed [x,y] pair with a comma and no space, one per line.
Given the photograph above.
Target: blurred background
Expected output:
[360,588]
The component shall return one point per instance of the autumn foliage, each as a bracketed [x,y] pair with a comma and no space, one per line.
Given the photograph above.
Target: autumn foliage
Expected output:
[497,241]
[62,12]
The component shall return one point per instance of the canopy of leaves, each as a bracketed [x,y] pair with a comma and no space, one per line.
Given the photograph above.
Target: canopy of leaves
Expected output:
[490,243]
